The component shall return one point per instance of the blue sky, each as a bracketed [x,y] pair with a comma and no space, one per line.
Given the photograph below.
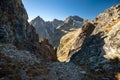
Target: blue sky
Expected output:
[60,9]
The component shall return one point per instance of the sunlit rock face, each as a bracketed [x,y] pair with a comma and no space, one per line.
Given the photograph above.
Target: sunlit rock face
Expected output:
[106,25]
[72,41]
[109,24]
[112,42]
[15,29]
[100,51]
[108,18]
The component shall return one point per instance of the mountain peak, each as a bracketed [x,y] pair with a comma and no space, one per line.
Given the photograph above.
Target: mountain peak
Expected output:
[38,18]
[55,19]
[73,18]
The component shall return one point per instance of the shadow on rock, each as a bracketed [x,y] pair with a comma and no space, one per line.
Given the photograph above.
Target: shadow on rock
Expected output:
[91,59]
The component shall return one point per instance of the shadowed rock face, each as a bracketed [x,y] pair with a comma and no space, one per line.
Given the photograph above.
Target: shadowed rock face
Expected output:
[14,27]
[99,53]
[20,64]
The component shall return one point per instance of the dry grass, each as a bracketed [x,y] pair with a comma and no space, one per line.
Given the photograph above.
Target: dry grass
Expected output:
[118,76]
[66,43]
[108,27]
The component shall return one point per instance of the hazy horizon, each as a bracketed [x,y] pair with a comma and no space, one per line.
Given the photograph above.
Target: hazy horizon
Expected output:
[60,9]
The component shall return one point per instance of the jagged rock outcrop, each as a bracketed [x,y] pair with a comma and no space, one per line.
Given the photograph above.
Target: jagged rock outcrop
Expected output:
[99,53]
[112,42]
[105,20]
[109,24]
[72,42]
[13,28]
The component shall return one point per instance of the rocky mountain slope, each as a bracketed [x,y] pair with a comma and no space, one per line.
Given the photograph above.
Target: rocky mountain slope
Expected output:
[70,24]
[54,30]
[97,46]
[22,56]
[93,50]
[102,25]
[16,30]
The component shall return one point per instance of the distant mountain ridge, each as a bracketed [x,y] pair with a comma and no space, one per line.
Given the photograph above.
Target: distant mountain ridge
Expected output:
[54,30]
[45,29]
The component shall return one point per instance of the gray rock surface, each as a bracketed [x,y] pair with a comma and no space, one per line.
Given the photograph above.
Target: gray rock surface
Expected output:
[100,51]
[13,28]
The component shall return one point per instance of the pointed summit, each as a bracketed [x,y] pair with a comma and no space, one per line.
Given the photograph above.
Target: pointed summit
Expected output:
[38,19]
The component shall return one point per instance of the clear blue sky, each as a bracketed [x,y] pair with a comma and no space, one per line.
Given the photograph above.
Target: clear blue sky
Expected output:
[60,9]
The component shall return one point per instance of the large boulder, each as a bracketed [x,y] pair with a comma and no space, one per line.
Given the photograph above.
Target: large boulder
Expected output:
[72,41]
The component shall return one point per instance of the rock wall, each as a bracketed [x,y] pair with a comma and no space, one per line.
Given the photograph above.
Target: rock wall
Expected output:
[15,29]
[99,53]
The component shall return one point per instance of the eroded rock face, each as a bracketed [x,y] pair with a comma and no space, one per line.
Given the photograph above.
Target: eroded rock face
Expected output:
[112,43]
[14,27]
[109,24]
[100,51]
[105,20]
